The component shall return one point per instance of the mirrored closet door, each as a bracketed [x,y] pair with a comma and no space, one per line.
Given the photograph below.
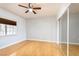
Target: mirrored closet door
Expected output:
[74,29]
[63,33]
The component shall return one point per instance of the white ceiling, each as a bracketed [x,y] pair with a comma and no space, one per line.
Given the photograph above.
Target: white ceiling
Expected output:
[48,9]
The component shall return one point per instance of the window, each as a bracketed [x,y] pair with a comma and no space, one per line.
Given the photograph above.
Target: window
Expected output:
[11,29]
[7,27]
[2,29]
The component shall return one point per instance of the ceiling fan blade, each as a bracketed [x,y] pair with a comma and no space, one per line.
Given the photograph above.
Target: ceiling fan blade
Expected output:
[34,12]
[29,5]
[27,11]
[37,8]
[22,6]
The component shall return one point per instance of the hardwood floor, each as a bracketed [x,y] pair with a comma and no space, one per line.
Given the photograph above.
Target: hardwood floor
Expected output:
[39,48]
[74,50]
[33,48]
[64,49]
[11,49]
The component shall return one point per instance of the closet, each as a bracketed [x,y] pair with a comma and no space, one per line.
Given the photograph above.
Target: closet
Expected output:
[63,33]
[74,29]
[69,30]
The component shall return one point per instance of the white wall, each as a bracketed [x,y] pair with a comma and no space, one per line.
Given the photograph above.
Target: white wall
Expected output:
[43,28]
[21,33]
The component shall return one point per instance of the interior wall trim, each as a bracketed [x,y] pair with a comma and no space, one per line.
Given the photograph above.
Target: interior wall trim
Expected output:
[12,44]
[72,43]
[50,41]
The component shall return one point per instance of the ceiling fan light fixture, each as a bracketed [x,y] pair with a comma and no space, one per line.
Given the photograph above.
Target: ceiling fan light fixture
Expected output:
[30,9]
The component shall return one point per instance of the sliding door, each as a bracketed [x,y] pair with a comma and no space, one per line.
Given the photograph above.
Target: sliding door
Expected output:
[74,30]
[63,33]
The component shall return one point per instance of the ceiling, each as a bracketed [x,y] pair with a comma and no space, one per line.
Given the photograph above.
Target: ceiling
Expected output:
[48,9]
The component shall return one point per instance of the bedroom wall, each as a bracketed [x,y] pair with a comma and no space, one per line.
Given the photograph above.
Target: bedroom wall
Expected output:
[21,33]
[43,28]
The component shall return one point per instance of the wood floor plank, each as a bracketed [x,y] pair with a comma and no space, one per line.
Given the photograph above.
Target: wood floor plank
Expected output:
[32,48]
[9,50]
[36,48]
[73,50]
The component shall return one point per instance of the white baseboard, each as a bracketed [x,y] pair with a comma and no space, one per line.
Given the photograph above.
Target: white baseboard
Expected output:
[35,40]
[12,44]
[70,43]
[74,43]
[43,40]
[27,39]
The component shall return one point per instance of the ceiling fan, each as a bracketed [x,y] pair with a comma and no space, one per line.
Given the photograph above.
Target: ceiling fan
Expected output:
[30,8]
